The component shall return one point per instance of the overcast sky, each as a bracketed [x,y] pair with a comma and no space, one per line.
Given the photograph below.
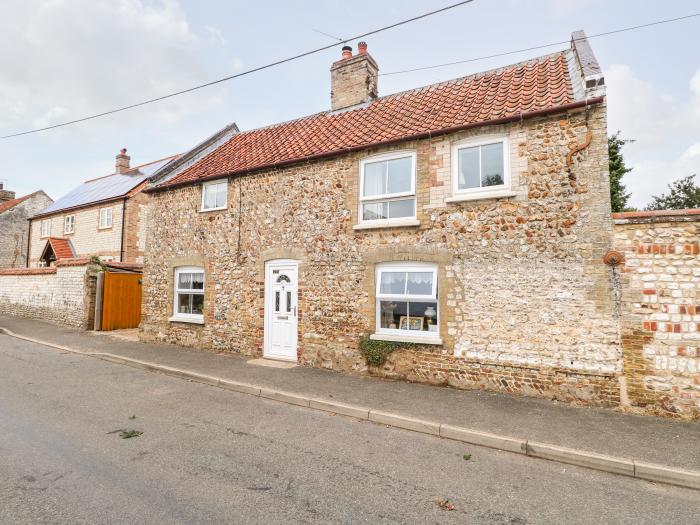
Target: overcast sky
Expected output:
[64,59]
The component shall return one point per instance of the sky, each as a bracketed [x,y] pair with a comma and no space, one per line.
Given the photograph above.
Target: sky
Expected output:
[65,59]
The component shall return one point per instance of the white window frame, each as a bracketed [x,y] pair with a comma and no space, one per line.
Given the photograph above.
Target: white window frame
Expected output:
[487,191]
[45,232]
[389,196]
[205,185]
[101,226]
[72,224]
[187,318]
[396,334]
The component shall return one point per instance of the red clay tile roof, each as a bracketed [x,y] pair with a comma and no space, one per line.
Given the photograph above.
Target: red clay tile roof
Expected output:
[4,206]
[62,248]
[536,85]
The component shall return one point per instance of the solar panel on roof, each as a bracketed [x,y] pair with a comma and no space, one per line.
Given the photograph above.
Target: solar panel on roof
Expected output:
[104,188]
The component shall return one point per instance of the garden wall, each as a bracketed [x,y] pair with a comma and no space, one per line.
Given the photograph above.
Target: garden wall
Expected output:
[660,310]
[63,294]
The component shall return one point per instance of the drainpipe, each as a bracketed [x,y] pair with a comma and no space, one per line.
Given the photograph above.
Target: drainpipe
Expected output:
[121,250]
[29,241]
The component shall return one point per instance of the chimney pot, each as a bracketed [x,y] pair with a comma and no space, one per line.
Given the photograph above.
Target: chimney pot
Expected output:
[354,78]
[122,164]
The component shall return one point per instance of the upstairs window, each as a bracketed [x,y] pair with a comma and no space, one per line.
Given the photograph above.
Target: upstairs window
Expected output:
[480,166]
[407,299]
[388,187]
[189,294]
[46,228]
[214,195]
[105,218]
[69,224]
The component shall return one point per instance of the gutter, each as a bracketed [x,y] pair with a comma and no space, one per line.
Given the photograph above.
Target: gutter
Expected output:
[29,241]
[78,207]
[425,134]
[121,249]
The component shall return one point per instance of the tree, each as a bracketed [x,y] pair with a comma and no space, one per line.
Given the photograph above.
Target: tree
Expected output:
[683,194]
[618,193]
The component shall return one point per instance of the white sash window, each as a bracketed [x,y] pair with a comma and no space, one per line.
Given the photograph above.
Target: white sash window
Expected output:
[407,299]
[189,294]
[388,188]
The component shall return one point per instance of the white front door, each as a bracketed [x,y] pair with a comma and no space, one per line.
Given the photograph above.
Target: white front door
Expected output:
[281,310]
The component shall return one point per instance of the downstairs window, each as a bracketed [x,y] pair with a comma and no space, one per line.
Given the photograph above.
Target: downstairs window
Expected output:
[189,294]
[407,299]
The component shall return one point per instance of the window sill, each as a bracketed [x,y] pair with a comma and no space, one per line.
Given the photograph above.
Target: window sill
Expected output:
[389,223]
[500,194]
[423,340]
[178,319]
[213,209]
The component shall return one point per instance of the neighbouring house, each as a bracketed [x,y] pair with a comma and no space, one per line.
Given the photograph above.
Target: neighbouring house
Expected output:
[105,217]
[462,230]
[14,214]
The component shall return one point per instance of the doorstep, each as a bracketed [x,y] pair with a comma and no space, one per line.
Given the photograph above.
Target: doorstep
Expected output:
[272,363]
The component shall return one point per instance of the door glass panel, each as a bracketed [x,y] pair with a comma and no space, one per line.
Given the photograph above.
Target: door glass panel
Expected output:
[277,301]
[289,301]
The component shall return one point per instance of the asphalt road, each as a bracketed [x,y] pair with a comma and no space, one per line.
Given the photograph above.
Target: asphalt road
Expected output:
[212,456]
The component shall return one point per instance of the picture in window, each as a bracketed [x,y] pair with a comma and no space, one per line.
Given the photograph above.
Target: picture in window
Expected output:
[407,299]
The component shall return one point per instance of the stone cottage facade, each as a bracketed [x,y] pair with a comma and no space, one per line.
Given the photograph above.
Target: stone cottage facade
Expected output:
[14,225]
[464,221]
[105,217]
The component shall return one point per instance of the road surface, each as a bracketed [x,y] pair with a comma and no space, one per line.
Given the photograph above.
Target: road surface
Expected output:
[212,456]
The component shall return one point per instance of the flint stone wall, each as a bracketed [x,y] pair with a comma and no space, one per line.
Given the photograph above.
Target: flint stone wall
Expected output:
[63,294]
[526,303]
[660,281]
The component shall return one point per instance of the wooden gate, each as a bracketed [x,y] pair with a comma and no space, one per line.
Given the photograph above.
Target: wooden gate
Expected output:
[121,300]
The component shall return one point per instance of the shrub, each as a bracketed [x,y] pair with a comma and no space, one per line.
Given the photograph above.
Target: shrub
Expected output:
[375,352]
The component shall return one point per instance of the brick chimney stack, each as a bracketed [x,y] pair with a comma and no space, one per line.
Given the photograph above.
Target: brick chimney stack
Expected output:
[122,163]
[5,195]
[354,78]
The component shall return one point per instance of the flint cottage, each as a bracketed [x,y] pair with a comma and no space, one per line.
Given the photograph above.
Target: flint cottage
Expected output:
[464,222]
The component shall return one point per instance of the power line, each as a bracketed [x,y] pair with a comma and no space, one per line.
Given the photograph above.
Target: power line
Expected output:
[243,73]
[622,30]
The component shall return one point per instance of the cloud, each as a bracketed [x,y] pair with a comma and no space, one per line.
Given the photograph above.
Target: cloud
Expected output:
[63,60]
[664,129]
[633,105]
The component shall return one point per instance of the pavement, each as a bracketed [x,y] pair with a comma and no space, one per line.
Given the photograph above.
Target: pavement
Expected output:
[208,455]
[643,438]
